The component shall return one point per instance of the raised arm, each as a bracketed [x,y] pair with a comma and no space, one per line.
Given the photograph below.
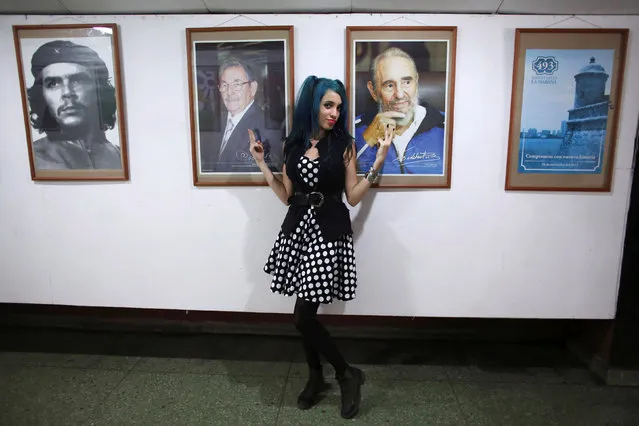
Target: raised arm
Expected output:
[355,190]
[282,188]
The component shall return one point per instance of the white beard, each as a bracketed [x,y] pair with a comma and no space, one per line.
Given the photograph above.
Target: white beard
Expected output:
[409,116]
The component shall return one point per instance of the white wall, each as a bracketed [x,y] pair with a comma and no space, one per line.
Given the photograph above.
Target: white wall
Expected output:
[159,242]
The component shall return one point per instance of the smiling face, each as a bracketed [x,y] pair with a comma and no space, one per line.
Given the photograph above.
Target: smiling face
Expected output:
[329,111]
[70,93]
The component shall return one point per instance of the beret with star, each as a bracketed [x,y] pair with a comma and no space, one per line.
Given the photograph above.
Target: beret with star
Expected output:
[65,51]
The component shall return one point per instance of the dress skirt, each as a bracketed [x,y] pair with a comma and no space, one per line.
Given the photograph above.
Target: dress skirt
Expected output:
[304,264]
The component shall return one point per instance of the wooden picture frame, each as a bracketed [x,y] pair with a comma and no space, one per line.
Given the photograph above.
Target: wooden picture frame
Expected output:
[72,100]
[259,66]
[419,77]
[565,102]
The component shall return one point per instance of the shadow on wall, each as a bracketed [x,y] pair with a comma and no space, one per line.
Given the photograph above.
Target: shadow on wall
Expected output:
[385,261]
[266,213]
[388,265]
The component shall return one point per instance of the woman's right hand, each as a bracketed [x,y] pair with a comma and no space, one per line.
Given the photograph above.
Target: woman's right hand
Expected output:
[256,148]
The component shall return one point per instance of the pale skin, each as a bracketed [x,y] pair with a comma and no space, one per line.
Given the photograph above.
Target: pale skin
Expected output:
[395,92]
[70,93]
[330,110]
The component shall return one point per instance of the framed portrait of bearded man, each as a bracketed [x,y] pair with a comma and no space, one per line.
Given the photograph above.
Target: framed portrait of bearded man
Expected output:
[72,101]
[403,77]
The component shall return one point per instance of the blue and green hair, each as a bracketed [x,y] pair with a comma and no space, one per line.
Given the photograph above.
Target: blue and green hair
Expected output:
[305,116]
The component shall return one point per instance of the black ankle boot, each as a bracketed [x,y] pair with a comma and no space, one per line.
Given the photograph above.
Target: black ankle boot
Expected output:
[314,386]
[350,384]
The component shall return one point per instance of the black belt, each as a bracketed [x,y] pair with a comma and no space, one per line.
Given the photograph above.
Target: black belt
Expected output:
[315,199]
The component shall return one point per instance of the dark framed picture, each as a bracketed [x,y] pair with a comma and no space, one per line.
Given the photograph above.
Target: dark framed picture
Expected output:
[240,78]
[404,76]
[72,101]
[565,104]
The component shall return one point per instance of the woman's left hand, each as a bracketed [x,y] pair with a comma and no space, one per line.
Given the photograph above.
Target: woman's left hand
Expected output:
[385,142]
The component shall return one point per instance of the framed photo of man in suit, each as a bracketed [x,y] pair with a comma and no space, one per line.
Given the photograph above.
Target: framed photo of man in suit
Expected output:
[240,79]
[403,77]
[72,97]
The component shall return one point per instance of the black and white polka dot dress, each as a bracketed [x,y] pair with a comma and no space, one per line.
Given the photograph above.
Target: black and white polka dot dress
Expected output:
[303,264]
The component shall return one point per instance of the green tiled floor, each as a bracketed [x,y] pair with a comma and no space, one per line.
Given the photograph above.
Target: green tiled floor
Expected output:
[40,388]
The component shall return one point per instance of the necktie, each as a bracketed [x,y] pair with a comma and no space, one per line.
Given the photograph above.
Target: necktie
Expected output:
[227,134]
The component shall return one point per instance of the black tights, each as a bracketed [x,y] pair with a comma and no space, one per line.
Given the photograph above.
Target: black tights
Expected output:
[315,337]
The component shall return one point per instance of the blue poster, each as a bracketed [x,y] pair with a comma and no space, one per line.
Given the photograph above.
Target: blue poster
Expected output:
[564,110]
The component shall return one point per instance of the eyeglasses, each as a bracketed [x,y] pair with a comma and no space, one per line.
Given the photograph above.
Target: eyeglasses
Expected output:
[236,85]
[403,84]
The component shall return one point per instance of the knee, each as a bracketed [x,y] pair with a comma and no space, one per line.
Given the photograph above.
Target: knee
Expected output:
[304,320]
[304,315]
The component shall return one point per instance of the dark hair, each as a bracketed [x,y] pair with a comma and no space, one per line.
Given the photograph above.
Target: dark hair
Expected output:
[65,51]
[307,107]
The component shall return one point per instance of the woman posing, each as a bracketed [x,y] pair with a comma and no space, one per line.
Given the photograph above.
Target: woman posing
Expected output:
[313,257]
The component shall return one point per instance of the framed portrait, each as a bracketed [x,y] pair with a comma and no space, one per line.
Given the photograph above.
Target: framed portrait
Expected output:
[403,77]
[72,101]
[565,103]
[240,79]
